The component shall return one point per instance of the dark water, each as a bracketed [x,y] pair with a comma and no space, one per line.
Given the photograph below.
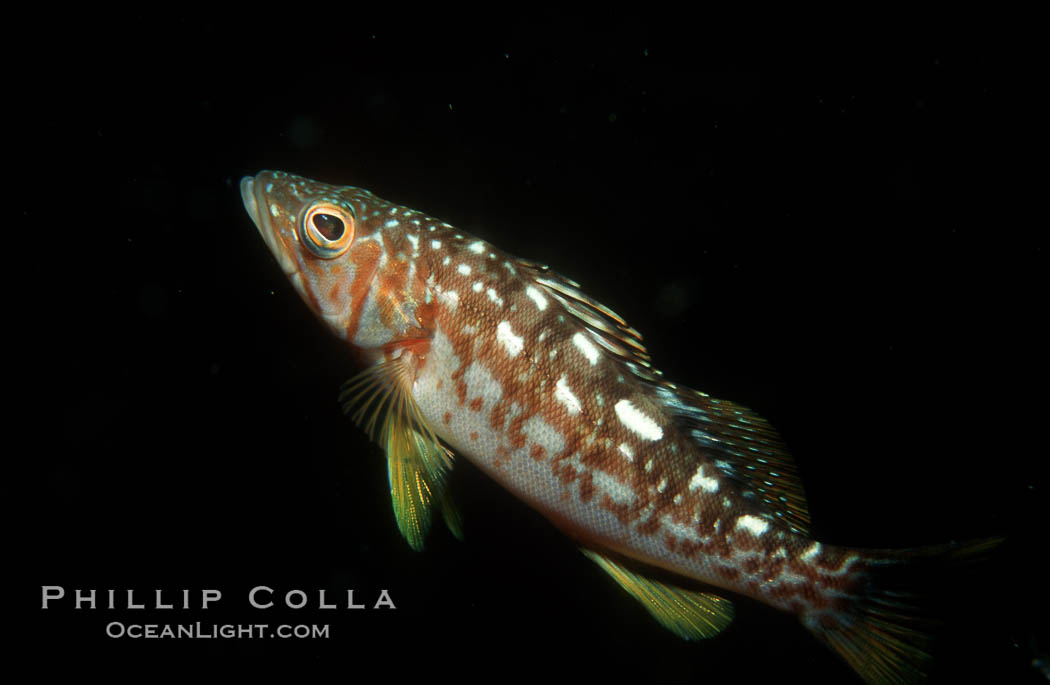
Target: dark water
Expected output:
[830,239]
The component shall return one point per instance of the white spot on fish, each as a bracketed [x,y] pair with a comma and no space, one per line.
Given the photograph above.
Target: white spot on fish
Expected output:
[699,481]
[464,269]
[543,434]
[638,422]
[617,491]
[626,451]
[435,244]
[573,460]
[662,485]
[477,287]
[752,524]
[563,394]
[274,210]
[537,297]
[644,514]
[414,240]
[450,298]
[392,223]
[446,261]
[506,336]
[494,297]
[678,530]
[481,383]
[812,551]
[586,347]
[844,567]
[477,247]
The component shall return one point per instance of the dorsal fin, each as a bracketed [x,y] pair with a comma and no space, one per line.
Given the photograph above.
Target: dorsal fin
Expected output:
[607,328]
[743,445]
[746,449]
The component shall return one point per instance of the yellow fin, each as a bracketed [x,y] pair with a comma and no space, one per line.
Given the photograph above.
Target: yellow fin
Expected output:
[689,614]
[412,493]
[417,463]
[453,519]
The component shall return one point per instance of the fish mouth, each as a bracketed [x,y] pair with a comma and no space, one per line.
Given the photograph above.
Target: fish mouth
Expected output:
[252,202]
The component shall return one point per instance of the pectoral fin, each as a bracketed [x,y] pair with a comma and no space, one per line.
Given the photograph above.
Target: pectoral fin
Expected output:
[413,487]
[689,614]
[417,463]
[453,519]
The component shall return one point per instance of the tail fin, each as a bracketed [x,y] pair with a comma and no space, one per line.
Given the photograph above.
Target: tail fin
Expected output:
[886,632]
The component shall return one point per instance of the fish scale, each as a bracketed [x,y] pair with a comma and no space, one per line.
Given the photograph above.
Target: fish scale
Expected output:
[470,352]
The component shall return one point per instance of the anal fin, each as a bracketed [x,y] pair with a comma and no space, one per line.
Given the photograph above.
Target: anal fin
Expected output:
[689,614]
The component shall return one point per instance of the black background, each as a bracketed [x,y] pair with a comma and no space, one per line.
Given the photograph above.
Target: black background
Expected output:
[830,235]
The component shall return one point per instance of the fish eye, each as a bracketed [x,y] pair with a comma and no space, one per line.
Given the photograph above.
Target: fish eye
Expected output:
[327,229]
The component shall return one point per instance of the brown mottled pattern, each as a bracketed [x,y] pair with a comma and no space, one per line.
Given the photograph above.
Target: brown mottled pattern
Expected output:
[419,275]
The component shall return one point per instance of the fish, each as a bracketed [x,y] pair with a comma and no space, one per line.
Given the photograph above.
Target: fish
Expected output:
[683,499]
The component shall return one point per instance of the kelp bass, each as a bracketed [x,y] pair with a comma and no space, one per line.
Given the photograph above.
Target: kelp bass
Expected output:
[470,352]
